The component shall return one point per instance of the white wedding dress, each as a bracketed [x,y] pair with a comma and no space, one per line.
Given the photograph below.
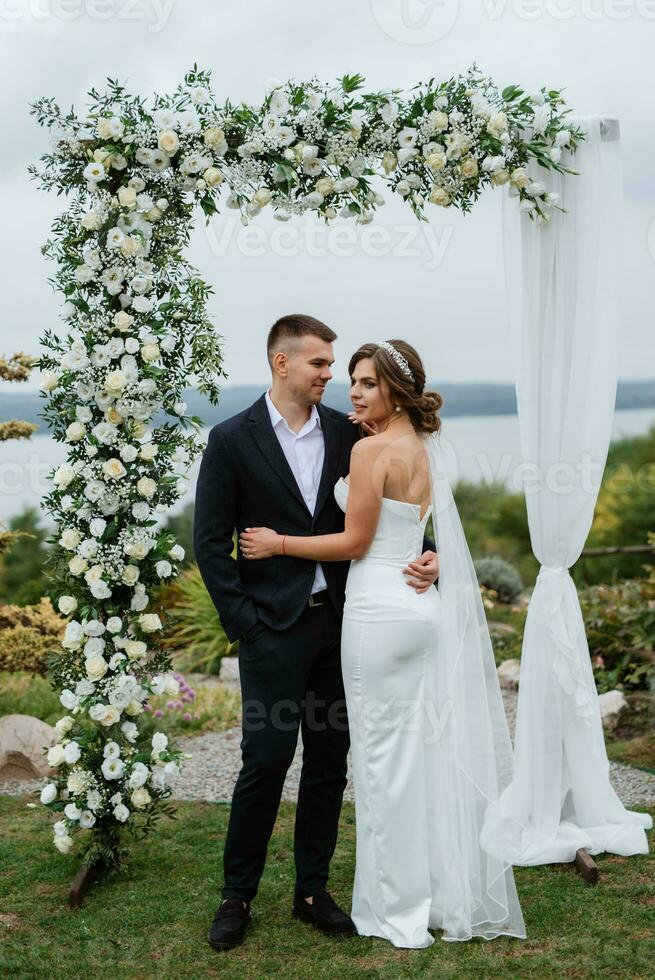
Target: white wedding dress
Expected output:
[419,802]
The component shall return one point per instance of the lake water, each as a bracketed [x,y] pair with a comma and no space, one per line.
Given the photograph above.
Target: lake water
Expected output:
[480,448]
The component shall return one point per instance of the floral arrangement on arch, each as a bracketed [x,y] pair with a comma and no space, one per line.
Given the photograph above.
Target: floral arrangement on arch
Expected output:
[136,333]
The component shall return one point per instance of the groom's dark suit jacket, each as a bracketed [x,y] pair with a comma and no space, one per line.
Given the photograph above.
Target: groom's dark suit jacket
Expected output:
[246,481]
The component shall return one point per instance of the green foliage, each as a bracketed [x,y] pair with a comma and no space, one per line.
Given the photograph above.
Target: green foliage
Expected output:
[181,526]
[195,631]
[22,579]
[620,622]
[500,576]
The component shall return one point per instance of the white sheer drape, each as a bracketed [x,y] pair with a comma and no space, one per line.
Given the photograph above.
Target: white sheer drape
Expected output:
[562,287]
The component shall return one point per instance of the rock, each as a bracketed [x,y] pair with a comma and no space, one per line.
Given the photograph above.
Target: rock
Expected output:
[502,629]
[613,707]
[230,670]
[508,674]
[23,740]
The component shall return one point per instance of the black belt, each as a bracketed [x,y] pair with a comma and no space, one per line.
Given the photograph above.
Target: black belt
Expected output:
[319,598]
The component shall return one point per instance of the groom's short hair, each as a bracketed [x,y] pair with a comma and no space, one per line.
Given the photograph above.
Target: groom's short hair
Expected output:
[296,325]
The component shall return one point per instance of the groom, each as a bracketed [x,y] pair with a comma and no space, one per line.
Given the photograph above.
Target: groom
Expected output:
[275,465]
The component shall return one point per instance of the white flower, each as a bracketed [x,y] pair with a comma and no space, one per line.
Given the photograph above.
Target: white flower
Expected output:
[72,811]
[112,750]
[63,475]
[114,468]
[72,753]
[138,776]
[60,828]
[130,731]
[163,568]
[93,800]
[150,622]
[113,768]
[75,782]
[135,649]
[68,699]
[87,819]
[97,526]
[63,844]
[121,812]
[130,575]
[94,172]
[91,221]
[115,238]
[73,635]
[177,552]
[106,714]
[49,380]
[159,741]
[70,538]
[48,793]
[179,408]
[389,112]
[114,624]
[407,136]
[96,667]
[64,725]
[66,604]
[55,755]
[140,798]
[541,117]
[146,486]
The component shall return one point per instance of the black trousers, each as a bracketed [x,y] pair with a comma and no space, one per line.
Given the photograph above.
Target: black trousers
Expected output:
[290,679]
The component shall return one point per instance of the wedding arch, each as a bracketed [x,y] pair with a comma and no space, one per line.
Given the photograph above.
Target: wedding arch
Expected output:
[136,331]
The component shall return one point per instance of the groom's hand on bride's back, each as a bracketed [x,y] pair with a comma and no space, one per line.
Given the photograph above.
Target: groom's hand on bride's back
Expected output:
[424,572]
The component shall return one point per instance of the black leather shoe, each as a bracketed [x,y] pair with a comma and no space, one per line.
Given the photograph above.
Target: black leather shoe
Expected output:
[230,924]
[324,914]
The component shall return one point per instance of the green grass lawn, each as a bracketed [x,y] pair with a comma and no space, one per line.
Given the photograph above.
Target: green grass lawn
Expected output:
[152,920]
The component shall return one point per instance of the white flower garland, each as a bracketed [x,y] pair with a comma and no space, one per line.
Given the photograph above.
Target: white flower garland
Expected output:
[137,332]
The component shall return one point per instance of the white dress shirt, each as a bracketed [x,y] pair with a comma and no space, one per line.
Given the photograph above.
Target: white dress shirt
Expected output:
[304,451]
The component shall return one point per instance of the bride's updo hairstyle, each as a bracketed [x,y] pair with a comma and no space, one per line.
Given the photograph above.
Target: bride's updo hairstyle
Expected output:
[421,406]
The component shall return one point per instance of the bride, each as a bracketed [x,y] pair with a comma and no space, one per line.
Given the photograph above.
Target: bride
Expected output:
[429,740]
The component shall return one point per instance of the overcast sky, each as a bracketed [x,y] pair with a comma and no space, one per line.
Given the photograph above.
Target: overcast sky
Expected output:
[438,286]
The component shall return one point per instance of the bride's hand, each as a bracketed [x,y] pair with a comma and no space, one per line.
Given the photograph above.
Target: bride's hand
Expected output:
[260,542]
[369,428]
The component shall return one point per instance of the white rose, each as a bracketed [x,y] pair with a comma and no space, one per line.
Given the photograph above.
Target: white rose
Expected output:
[140,798]
[114,468]
[130,575]
[114,624]
[121,812]
[48,793]
[149,451]
[63,844]
[150,352]
[66,604]
[123,321]
[177,552]
[163,568]
[168,141]
[73,635]
[49,380]
[172,686]
[91,221]
[63,475]
[127,196]
[439,196]
[72,752]
[135,649]
[96,667]
[146,486]
[72,811]
[150,622]
[134,708]
[64,725]
[77,565]
[70,538]
[115,381]
[159,741]
[87,819]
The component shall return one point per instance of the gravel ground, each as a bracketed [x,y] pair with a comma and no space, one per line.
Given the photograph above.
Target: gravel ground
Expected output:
[216,759]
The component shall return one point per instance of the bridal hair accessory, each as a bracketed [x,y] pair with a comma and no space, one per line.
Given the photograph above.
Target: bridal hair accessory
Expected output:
[398,358]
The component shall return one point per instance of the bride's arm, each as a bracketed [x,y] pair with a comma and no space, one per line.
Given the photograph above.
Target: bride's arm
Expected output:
[366,483]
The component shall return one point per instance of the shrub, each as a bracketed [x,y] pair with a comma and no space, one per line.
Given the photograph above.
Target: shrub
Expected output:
[29,637]
[194,629]
[499,575]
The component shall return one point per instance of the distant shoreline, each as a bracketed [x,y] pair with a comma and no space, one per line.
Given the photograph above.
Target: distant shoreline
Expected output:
[464,399]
